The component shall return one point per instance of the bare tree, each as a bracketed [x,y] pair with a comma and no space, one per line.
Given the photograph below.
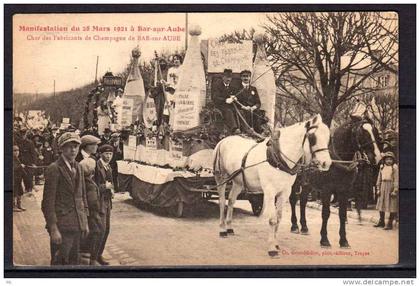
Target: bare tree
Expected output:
[323,59]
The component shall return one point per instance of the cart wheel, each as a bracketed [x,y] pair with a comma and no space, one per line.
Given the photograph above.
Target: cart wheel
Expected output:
[177,210]
[257,204]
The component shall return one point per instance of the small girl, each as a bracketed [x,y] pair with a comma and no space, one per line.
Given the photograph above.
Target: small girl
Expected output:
[387,190]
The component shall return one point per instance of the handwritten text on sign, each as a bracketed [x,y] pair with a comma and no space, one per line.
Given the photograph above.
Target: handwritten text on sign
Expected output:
[236,57]
[187,108]
[125,112]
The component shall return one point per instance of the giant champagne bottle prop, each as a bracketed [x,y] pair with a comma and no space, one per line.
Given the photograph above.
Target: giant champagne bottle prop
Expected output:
[190,95]
[263,79]
[134,88]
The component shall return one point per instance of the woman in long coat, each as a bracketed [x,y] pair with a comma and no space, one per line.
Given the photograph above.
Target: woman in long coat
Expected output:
[387,189]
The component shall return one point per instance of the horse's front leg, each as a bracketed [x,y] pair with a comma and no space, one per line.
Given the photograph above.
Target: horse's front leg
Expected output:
[273,221]
[326,196]
[293,198]
[342,212]
[303,201]
[233,195]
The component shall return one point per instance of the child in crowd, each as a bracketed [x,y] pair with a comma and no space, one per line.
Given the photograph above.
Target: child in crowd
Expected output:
[387,190]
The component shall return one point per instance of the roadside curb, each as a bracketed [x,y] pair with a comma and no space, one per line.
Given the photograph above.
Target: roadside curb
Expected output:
[350,214]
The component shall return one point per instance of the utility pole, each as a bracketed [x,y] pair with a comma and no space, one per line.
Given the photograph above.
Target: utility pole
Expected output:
[54,88]
[96,72]
[186,31]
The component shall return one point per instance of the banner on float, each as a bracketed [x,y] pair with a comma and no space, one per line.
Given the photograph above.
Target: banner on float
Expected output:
[234,56]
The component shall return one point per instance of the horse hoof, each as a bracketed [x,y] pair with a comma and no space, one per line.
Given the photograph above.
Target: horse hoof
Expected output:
[325,244]
[345,244]
[223,234]
[230,231]
[304,231]
[273,253]
[294,229]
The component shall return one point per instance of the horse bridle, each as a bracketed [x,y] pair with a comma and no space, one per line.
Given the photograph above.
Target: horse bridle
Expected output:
[313,152]
[361,146]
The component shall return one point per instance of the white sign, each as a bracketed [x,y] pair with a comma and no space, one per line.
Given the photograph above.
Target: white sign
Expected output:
[176,149]
[132,141]
[187,108]
[125,112]
[234,56]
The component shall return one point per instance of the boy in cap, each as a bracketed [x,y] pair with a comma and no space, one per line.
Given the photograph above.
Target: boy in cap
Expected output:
[105,182]
[250,102]
[88,147]
[64,203]
[222,93]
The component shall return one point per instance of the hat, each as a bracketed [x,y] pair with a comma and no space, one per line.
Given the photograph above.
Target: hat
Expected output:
[388,155]
[115,135]
[89,140]
[68,137]
[245,72]
[106,148]
[227,72]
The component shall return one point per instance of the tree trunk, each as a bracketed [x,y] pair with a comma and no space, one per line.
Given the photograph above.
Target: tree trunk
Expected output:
[327,116]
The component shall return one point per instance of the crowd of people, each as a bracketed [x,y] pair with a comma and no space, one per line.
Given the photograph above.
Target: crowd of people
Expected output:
[80,176]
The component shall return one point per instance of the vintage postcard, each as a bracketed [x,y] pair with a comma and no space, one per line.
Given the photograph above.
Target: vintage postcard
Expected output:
[205,139]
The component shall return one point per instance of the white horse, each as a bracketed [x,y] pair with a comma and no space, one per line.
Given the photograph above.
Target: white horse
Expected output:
[268,167]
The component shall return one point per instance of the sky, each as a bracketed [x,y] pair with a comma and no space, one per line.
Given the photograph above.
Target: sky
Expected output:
[37,61]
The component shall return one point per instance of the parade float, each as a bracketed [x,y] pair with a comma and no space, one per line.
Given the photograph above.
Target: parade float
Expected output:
[168,164]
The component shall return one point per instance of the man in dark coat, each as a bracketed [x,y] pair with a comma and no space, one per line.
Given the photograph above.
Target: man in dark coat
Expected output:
[222,90]
[64,203]
[105,182]
[18,173]
[28,157]
[250,102]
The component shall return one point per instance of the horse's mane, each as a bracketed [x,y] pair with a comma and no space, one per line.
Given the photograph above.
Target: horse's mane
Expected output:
[342,140]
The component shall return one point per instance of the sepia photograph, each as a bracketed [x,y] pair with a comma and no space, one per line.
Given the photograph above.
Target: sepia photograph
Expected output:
[206,139]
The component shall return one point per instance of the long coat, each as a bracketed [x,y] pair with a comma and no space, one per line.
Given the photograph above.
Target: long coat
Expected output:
[18,172]
[249,96]
[101,176]
[64,201]
[95,206]
[220,93]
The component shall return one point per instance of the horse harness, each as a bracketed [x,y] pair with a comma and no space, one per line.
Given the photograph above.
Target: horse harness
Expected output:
[274,158]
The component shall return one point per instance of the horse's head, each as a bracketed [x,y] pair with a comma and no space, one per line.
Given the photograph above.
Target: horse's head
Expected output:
[366,137]
[318,135]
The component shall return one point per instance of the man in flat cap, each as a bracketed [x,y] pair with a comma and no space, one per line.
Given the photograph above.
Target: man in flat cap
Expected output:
[105,182]
[88,147]
[222,93]
[64,203]
[250,102]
